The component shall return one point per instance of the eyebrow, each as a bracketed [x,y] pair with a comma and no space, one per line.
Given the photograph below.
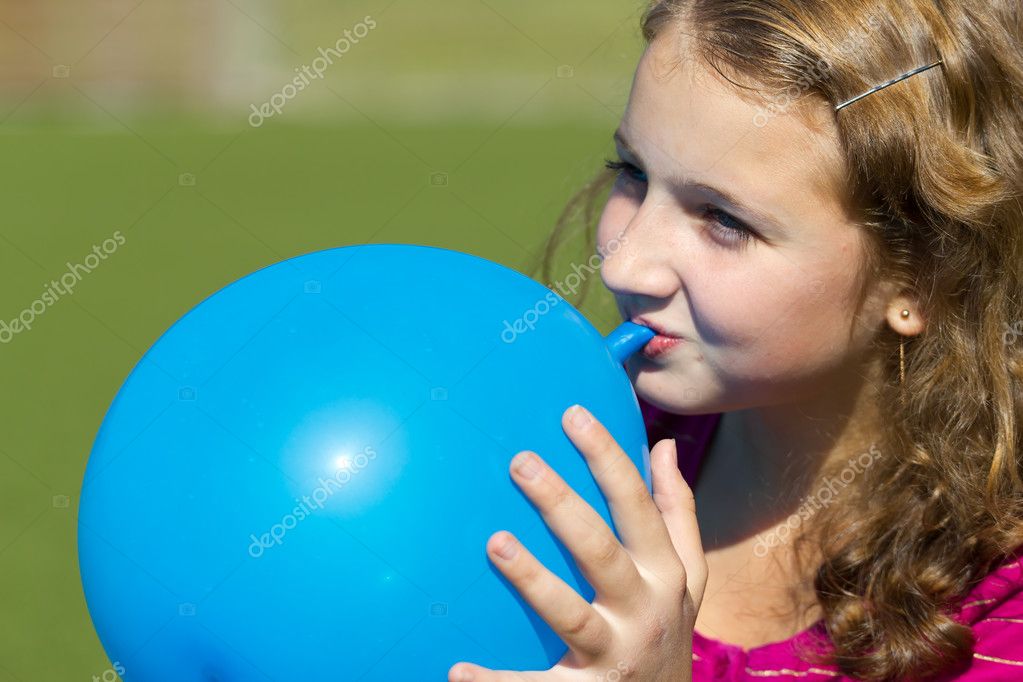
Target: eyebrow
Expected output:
[722,196]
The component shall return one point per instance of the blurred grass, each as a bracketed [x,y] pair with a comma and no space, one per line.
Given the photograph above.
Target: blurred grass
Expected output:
[259,196]
[449,126]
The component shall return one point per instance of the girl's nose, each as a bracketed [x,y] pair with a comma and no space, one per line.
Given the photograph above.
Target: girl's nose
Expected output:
[637,262]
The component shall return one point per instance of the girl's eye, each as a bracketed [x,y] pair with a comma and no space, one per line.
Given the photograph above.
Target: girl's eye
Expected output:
[727,226]
[625,170]
[730,228]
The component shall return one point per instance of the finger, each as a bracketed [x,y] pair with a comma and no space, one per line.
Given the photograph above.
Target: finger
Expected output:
[635,515]
[573,618]
[674,498]
[601,558]
[470,672]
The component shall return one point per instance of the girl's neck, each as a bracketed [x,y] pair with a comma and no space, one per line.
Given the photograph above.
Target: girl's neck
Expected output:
[765,464]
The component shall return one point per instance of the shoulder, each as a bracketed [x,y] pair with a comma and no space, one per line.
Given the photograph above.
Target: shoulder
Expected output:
[690,429]
[692,434]
[994,609]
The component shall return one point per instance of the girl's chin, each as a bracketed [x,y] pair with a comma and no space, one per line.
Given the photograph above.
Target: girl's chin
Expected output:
[663,393]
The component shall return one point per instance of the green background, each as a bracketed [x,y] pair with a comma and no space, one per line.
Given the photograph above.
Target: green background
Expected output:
[110,111]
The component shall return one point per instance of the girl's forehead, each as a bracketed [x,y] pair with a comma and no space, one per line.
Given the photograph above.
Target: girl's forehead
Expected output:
[683,117]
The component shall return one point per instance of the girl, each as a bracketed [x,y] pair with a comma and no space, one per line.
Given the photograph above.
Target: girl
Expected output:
[817,206]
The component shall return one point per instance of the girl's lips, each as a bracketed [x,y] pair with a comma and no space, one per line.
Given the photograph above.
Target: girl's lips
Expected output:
[639,319]
[659,345]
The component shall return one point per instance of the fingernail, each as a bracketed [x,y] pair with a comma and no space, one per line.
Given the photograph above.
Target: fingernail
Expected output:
[508,550]
[672,454]
[579,416]
[525,463]
[463,675]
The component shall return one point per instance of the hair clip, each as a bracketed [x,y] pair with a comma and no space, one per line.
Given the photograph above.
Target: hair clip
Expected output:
[891,82]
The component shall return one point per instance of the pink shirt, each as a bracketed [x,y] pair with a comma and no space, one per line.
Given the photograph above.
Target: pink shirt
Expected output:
[994,607]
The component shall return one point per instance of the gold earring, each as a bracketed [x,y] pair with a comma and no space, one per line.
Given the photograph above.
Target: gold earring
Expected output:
[902,354]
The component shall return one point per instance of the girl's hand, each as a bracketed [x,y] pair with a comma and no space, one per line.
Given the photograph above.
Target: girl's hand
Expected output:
[647,590]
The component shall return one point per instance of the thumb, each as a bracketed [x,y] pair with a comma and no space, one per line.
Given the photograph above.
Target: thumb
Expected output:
[677,505]
[464,671]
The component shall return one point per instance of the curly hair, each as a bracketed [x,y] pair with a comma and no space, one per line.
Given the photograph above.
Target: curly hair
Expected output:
[933,168]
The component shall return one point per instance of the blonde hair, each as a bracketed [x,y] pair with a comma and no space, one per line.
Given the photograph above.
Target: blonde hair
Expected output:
[934,167]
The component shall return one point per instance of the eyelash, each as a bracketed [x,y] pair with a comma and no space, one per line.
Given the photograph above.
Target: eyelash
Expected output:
[739,232]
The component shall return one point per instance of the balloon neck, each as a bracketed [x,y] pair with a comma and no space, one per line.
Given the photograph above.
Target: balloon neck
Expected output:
[628,338]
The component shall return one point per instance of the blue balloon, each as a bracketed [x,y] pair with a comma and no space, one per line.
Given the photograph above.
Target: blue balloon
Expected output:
[298,479]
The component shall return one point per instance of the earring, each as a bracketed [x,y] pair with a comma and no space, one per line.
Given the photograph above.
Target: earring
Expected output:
[902,354]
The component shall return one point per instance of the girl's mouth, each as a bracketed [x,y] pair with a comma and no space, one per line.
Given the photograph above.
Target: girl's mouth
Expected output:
[659,345]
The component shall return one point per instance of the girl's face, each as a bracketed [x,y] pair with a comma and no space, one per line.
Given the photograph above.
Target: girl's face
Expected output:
[727,227]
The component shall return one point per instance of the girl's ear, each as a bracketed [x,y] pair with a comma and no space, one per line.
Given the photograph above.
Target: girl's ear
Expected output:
[909,324]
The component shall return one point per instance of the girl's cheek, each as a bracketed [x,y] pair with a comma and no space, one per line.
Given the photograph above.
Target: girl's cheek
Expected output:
[732,306]
[776,333]
[618,213]
[758,315]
